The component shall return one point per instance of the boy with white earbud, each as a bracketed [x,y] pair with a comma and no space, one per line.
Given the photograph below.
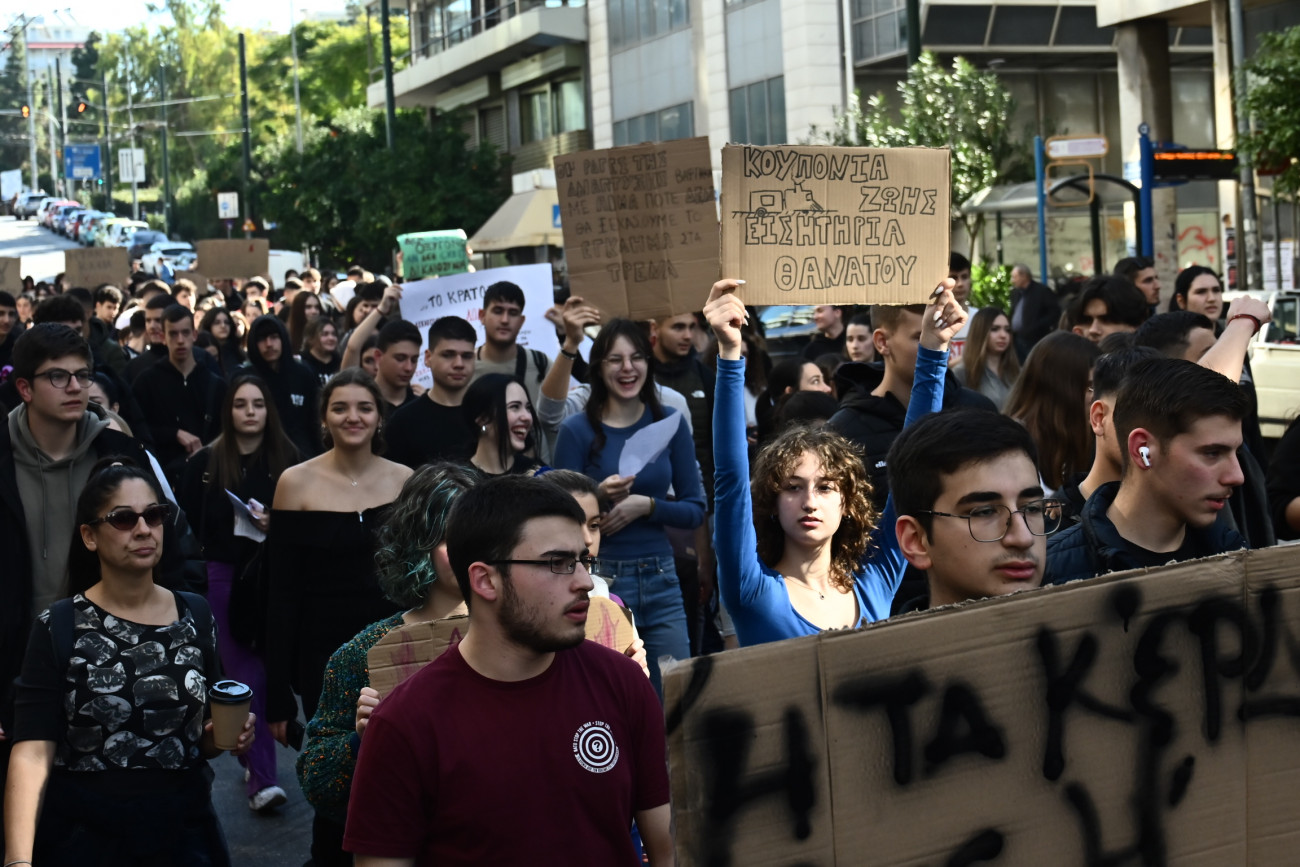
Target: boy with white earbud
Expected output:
[1179,427]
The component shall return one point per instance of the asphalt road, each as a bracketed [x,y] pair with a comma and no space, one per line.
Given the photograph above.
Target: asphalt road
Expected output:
[283,838]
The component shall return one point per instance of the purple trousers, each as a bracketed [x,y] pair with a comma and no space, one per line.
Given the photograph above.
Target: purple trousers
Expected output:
[242,664]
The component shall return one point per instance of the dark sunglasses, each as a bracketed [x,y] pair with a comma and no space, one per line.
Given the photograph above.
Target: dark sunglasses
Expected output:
[126,519]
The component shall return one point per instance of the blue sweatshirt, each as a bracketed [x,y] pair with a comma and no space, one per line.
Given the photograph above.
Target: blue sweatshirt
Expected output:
[756,595]
[644,537]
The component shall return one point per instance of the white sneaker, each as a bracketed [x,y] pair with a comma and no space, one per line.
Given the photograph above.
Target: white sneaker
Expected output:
[267,799]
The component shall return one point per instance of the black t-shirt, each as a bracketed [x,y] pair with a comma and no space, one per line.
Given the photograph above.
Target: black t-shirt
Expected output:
[422,432]
[823,345]
[1145,559]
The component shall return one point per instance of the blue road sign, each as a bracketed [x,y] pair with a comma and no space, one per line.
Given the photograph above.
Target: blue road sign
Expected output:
[81,162]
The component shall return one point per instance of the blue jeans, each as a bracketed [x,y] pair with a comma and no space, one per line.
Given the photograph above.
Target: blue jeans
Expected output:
[649,587]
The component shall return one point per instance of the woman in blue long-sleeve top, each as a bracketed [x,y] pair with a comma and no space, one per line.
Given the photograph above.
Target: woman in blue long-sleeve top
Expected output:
[804,552]
[636,557]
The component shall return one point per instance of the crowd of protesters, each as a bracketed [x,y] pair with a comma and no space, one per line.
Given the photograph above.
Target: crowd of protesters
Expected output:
[242,481]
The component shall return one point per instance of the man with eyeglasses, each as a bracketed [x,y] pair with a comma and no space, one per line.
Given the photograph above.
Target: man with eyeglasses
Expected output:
[1178,426]
[523,741]
[48,445]
[971,511]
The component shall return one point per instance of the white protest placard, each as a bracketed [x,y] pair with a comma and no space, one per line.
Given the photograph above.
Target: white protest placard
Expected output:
[462,295]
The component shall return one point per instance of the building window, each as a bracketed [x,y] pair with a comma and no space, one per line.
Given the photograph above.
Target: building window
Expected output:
[633,21]
[667,124]
[492,127]
[570,105]
[535,115]
[758,112]
[879,28]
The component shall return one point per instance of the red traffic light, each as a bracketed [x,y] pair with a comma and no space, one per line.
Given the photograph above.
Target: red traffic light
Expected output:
[81,107]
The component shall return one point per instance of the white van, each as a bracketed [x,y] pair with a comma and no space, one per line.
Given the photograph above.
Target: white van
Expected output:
[280,261]
[1275,364]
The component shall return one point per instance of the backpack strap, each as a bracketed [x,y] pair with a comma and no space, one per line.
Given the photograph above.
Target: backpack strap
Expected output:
[62,625]
[541,362]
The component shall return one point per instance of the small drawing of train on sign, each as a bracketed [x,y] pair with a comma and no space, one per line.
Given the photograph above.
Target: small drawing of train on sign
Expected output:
[796,199]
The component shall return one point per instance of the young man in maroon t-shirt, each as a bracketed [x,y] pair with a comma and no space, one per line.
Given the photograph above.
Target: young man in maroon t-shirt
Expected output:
[524,743]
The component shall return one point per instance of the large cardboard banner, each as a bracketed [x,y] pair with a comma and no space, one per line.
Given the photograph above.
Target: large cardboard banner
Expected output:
[831,225]
[462,295]
[239,258]
[433,254]
[94,266]
[1136,719]
[640,227]
[11,278]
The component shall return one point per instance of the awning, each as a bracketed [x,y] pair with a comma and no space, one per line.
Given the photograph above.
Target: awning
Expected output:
[528,219]
[1022,198]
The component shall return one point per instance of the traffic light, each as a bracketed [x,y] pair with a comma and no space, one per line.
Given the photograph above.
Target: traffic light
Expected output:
[81,107]
[27,111]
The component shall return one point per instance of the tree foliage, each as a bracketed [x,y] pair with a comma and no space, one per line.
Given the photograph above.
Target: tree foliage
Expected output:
[349,196]
[965,109]
[1273,82]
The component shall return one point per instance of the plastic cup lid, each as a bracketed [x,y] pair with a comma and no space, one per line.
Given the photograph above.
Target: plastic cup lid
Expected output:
[229,692]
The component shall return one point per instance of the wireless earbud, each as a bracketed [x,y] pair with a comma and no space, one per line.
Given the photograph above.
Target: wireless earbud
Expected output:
[1146,455]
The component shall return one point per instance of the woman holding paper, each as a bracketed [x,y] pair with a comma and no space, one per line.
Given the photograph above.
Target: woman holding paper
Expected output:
[637,558]
[800,550]
[245,461]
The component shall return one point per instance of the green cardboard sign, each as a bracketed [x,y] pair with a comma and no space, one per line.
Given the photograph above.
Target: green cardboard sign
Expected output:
[433,254]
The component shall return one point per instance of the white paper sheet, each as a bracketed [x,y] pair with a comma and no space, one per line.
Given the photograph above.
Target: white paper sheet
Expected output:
[244,525]
[647,444]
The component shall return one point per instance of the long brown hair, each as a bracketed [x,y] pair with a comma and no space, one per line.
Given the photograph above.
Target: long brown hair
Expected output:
[225,467]
[1048,399]
[298,319]
[842,465]
[977,348]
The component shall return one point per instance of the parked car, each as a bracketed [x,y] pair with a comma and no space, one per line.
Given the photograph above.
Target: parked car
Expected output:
[1275,363]
[98,231]
[166,257]
[28,203]
[59,223]
[119,234]
[788,328]
[138,243]
[78,225]
[46,208]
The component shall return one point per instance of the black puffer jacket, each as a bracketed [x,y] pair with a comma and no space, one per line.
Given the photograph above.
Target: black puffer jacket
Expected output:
[296,388]
[872,423]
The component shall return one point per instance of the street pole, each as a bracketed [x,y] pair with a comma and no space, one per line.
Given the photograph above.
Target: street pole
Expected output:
[248,145]
[166,166]
[31,128]
[390,102]
[297,97]
[130,119]
[106,164]
[913,32]
[63,122]
[49,114]
[1252,268]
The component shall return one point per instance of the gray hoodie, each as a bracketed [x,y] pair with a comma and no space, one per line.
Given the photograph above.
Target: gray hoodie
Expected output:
[49,490]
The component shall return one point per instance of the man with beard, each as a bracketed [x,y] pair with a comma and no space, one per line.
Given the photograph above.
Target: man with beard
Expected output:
[522,719]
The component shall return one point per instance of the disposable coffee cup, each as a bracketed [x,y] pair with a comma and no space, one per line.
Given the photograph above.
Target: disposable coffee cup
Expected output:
[229,701]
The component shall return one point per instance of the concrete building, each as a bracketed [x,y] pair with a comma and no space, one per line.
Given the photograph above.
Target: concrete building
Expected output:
[541,77]
[48,40]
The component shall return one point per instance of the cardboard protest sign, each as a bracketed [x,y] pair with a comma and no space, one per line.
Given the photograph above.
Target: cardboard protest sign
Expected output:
[407,649]
[11,278]
[433,254]
[462,295]
[94,266]
[240,258]
[830,225]
[199,280]
[640,227]
[1142,718]
[609,624]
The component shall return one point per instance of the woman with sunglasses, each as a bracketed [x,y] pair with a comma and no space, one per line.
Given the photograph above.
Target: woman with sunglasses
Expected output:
[246,459]
[112,732]
[637,555]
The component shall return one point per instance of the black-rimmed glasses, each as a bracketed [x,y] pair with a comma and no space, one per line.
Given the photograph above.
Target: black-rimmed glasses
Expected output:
[561,564]
[59,378]
[990,523]
[126,519]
